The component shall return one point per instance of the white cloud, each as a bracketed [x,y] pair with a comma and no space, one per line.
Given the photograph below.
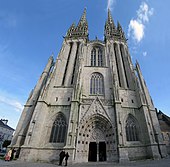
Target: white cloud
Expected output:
[137,26]
[144,53]
[136,29]
[12,102]
[144,12]
[110,4]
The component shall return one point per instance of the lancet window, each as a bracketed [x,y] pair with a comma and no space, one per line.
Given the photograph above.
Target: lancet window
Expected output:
[132,129]
[58,132]
[96,84]
[97,57]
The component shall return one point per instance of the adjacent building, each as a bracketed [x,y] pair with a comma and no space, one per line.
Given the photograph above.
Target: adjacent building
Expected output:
[164,122]
[6,132]
[91,102]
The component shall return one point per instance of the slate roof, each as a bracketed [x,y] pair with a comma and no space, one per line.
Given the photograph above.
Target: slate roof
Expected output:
[5,126]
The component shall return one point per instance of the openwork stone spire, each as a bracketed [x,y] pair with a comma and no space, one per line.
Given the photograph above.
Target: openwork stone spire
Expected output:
[110,19]
[79,31]
[120,31]
[83,19]
[111,32]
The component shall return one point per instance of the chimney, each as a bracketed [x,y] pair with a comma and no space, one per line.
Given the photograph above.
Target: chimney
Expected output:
[5,121]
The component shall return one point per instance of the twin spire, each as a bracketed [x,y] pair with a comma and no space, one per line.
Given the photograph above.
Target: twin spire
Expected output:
[81,30]
[110,32]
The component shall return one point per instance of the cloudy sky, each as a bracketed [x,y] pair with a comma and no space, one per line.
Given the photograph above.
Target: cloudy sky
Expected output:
[30,31]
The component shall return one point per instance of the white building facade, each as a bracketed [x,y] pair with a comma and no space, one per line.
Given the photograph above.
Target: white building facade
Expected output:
[92,102]
[6,132]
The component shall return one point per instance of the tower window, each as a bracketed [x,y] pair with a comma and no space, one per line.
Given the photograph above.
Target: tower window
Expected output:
[100,59]
[93,57]
[96,84]
[58,132]
[132,129]
[97,57]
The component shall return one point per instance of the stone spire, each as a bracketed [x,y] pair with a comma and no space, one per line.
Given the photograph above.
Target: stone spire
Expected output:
[111,32]
[110,19]
[120,30]
[109,26]
[71,30]
[79,31]
[83,19]
[119,27]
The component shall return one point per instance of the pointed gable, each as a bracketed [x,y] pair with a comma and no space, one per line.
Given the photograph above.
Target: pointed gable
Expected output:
[96,108]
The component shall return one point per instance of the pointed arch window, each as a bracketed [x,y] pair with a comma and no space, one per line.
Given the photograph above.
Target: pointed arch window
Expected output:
[97,57]
[93,57]
[100,59]
[96,84]
[58,132]
[132,129]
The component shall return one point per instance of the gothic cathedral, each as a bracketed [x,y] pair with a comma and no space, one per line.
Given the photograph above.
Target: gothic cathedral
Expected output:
[92,102]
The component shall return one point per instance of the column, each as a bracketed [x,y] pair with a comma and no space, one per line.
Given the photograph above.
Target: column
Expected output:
[127,68]
[61,64]
[70,65]
[120,67]
[114,64]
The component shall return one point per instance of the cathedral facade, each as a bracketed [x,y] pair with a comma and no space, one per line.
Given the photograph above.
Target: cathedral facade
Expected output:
[91,102]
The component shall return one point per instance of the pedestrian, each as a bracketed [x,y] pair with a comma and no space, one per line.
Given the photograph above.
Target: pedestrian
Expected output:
[12,154]
[66,158]
[8,155]
[61,157]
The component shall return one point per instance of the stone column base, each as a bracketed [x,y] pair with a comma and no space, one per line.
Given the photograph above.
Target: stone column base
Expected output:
[123,155]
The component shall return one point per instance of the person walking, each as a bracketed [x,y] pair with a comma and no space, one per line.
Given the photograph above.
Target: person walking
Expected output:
[8,155]
[61,157]
[66,158]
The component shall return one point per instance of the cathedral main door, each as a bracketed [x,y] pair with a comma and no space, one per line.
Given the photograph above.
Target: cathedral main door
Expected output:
[96,140]
[97,151]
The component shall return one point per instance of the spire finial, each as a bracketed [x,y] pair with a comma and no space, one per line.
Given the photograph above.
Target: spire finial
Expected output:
[83,17]
[110,19]
[118,25]
[81,30]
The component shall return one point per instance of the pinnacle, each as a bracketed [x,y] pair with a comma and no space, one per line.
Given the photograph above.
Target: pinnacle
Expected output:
[110,19]
[83,17]
[119,26]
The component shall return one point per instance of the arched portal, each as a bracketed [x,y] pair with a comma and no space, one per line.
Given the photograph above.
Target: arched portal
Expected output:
[96,139]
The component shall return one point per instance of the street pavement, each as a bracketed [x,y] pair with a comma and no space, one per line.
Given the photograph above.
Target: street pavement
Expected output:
[144,163]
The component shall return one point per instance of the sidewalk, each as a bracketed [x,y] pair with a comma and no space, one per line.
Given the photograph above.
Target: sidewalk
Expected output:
[144,163]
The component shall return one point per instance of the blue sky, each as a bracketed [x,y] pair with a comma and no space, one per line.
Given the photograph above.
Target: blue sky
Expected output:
[30,31]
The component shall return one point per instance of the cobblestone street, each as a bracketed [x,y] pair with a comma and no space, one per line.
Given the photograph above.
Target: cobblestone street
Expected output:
[144,163]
